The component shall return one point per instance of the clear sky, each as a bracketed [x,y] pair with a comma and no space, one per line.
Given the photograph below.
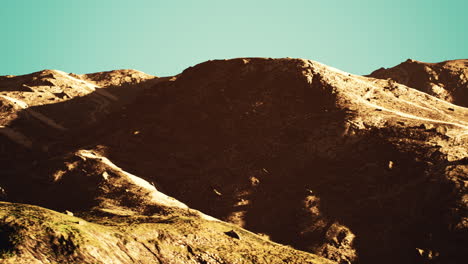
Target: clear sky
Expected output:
[165,37]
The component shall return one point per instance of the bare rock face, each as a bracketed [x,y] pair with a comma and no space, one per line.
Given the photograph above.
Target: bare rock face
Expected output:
[447,80]
[355,169]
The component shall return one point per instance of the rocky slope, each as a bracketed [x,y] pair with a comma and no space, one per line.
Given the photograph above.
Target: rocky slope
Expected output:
[31,234]
[326,161]
[119,217]
[446,80]
[50,102]
[347,167]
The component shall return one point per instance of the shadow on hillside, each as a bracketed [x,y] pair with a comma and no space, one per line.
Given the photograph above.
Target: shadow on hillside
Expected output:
[209,149]
[26,172]
[386,208]
[203,147]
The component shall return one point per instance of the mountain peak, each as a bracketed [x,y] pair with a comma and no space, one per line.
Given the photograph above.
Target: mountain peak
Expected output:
[447,80]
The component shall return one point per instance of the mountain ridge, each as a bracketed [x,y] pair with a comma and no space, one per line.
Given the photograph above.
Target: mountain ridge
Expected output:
[447,80]
[302,152]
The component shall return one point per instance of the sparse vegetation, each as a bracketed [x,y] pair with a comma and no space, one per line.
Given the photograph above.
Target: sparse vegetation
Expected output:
[56,237]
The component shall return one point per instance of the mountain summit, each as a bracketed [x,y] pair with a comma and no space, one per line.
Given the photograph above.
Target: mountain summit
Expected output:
[446,80]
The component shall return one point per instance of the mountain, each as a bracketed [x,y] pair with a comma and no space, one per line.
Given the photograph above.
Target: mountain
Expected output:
[103,214]
[446,80]
[343,166]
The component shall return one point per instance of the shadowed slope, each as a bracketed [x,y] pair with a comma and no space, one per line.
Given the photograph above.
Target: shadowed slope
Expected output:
[130,220]
[336,164]
[312,156]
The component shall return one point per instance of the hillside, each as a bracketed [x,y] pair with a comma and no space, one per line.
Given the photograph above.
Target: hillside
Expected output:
[31,234]
[103,214]
[446,80]
[347,167]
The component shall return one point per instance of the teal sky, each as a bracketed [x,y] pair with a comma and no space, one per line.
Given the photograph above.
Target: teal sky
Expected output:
[165,37]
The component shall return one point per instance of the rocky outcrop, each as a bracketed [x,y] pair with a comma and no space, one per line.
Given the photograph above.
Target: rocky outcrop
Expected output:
[446,80]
